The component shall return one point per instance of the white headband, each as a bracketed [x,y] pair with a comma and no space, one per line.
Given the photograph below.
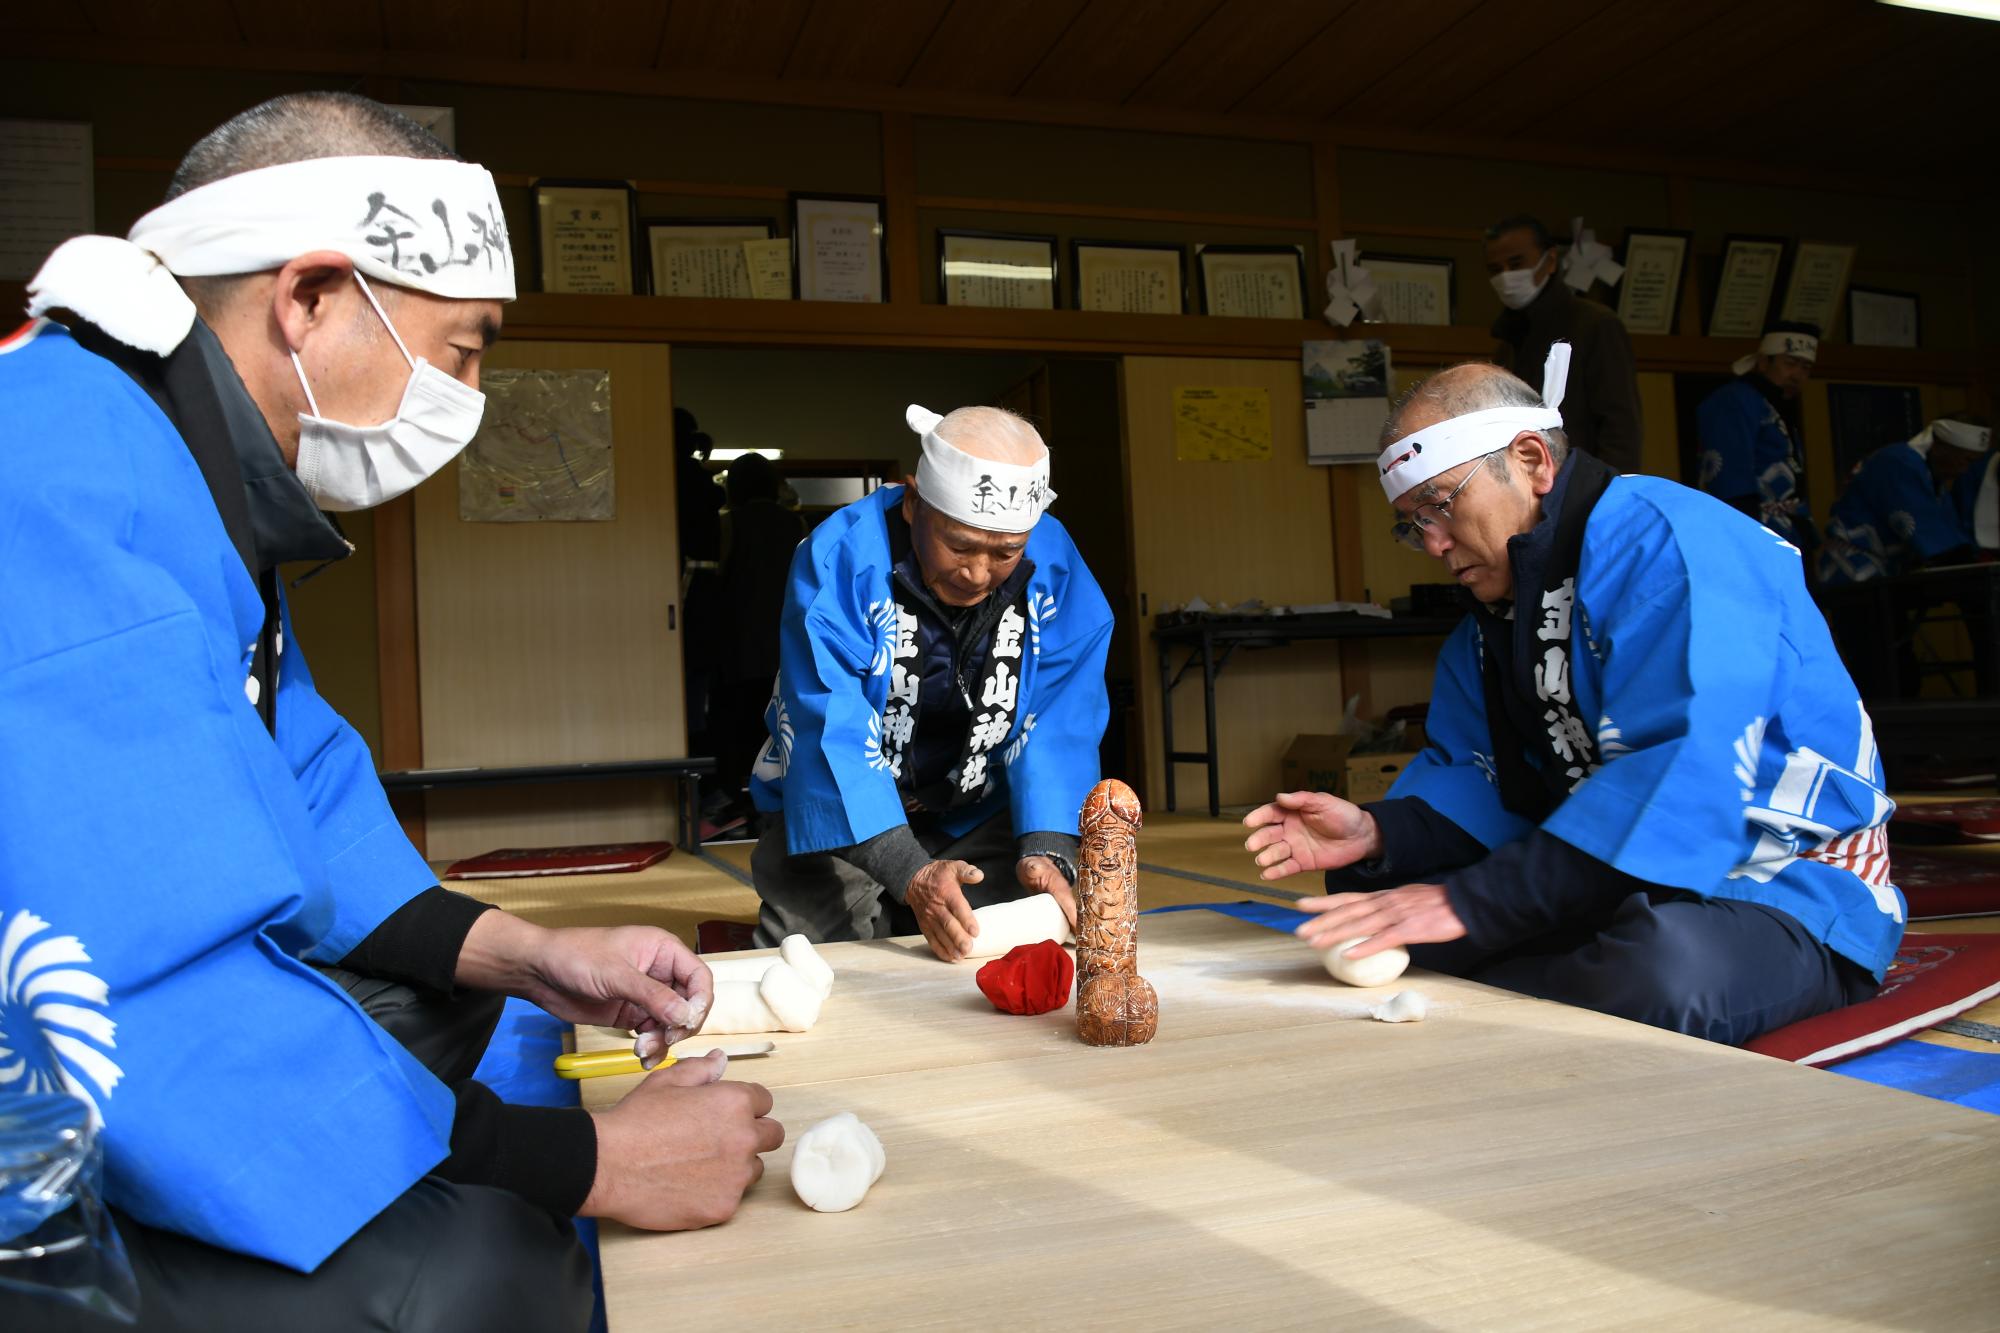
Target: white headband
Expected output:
[1442,446]
[1958,434]
[1801,345]
[995,497]
[429,224]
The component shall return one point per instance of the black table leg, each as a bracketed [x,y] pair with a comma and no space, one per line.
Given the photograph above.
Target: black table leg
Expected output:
[1167,721]
[1208,702]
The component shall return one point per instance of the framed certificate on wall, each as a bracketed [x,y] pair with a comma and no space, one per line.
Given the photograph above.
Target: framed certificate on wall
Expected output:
[1129,277]
[583,236]
[1817,284]
[1880,318]
[1649,298]
[997,269]
[703,256]
[1252,281]
[1743,285]
[839,248]
[1414,289]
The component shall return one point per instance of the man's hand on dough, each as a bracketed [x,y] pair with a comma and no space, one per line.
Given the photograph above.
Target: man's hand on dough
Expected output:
[1309,830]
[678,1151]
[1413,914]
[942,913]
[636,977]
[1038,874]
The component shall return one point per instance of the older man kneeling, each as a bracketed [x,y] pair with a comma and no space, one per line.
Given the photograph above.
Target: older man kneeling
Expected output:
[940,700]
[1651,788]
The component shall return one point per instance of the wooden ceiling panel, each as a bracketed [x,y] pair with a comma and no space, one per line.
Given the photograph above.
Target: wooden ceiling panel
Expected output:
[751,38]
[863,41]
[990,46]
[185,21]
[1349,56]
[1235,50]
[1460,53]
[495,28]
[1523,89]
[1112,47]
[594,32]
[280,23]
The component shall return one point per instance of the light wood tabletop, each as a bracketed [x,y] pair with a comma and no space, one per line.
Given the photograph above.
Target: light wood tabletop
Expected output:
[1276,1158]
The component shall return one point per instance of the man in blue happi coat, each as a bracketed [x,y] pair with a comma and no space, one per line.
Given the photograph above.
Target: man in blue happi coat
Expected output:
[212,929]
[1898,511]
[1751,458]
[1651,789]
[939,703]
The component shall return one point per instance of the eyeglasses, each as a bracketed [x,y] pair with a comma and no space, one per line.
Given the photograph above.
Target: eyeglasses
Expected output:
[1410,531]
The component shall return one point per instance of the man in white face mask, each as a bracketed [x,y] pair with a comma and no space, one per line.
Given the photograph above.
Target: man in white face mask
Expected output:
[204,843]
[1601,413]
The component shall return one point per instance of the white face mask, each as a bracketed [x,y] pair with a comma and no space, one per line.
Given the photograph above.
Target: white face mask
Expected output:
[345,467]
[1518,287]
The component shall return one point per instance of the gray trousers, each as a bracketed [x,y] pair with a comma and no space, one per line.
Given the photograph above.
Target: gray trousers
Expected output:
[824,898]
[442,1258]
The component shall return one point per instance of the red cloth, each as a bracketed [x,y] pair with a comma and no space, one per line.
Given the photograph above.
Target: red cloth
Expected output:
[1030,979]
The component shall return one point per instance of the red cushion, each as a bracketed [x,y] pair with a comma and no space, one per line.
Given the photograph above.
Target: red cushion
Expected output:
[1945,822]
[1934,977]
[723,936]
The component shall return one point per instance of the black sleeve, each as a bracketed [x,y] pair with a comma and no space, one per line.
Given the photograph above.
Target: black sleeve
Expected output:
[891,858]
[420,942]
[1614,398]
[545,1154]
[1528,888]
[1062,848]
[1417,843]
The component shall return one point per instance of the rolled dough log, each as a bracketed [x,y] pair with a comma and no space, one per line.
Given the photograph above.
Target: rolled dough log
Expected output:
[781,1001]
[741,969]
[1028,920]
[805,960]
[1375,970]
[1405,1006]
[835,1162]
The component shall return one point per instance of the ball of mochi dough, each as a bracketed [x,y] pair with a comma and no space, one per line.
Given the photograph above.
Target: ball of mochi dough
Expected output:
[835,1162]
[1375,970]
[1405,1006]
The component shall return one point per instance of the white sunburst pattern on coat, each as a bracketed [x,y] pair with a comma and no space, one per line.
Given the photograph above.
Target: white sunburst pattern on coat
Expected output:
[1041,610]
[53,1029]
[1749,749]
[1611,738]
[882,618]
[1019,743]
[872,748]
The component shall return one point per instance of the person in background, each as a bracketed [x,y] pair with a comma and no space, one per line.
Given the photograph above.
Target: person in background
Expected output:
[1601,412]
[763,534]
[1897,512]
[698,515]
[1751,458]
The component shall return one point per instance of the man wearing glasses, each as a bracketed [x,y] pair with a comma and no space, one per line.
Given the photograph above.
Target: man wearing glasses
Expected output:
[1651,788]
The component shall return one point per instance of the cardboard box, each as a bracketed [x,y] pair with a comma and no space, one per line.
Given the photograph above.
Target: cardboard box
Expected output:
[1317,763]
[1369,776]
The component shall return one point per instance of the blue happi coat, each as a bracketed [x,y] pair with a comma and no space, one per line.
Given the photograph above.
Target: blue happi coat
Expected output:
[824,766]
[1747,452]
[1734,758]
[168,868]
[1890,519]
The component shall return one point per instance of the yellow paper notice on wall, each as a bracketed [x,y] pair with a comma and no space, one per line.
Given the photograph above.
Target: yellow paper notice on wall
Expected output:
[1221,423]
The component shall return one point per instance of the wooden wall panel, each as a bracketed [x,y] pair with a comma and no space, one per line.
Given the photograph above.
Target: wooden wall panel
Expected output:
[551,642]
[1225,532]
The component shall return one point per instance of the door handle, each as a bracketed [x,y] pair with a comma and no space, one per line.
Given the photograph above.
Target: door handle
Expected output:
[670,615]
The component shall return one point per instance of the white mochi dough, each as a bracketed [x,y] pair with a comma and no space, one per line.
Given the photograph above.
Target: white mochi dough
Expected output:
[1028,920]
[835,1162]
[1405,1006]
[805,960]
[741,969]
[781,1001]
[1375,970]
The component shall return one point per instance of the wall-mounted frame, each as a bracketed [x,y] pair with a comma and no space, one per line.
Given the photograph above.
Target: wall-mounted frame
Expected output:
[1649,296]
[996,269]
[703,256]
[1877,317]
[1415,289]
[1816,284]
[1129,277]
[583,236]
[840,248]
[1746,278]
[1251,281]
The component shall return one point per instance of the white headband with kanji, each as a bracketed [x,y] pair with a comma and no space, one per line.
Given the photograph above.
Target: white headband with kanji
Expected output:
[1443,445]
[978,492]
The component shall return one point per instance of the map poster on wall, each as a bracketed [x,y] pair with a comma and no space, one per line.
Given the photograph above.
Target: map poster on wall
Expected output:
[1221,424]
[543,452]
[1347,398]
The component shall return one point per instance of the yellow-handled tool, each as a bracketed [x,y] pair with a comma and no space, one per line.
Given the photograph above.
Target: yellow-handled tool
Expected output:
[621,1060]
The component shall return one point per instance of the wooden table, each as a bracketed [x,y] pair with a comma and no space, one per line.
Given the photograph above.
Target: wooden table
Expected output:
[1272,1160]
